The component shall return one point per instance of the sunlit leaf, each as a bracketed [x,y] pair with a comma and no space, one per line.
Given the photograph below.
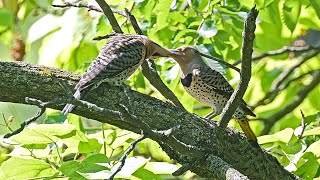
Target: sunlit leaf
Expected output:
[316,5]
[131,165]
[208,29]
[282,136]
[161,167]
[314,148]
[54,116]
[44,133]
[311,132]
[146,174]
[18,168]
[6,17]
[72,169]
[307,166]
[91,146]
[163,7]
[290,13]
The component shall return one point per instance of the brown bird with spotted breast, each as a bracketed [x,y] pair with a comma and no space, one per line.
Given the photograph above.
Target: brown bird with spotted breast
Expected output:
[118,59]
[209,87]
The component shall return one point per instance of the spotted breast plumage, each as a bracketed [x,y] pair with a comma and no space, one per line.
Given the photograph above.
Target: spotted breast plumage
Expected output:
[118,59]
[209,87]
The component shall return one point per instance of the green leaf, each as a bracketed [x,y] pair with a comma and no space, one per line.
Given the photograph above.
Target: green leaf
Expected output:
[312,118]
[44,133]
[161,167]
[35,146]
[131,165]
[163,8]
[6,17]
[92,164]
[198,4]
[282,136]
[208,29]
[18,168]
[142,173]
[104,174]
[146,8]
[309,166]
[314,148]
[123,138]
[54,116]
[91,146]
[261,4]
[311,132]
[2,176]
[291,13]
[179,36]
[76,120]
[316,5]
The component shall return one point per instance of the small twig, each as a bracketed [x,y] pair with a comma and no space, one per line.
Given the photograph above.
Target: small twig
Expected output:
[283,50]
[104,140]
[298,99]
[126,10]
[89,7]
[57,149]
[184,168]
[6,123]
[248,38]
[78,4]
[4,30]
[44,105]
[108,12]
[303,124]
[126,153]
[98,38]
[28,121]
[220,61]
[133,22]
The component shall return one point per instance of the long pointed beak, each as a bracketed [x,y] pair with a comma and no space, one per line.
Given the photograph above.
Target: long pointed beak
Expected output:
[175,52]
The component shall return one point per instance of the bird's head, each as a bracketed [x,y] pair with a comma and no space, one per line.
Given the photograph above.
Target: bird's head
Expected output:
[184,55]
[154,50]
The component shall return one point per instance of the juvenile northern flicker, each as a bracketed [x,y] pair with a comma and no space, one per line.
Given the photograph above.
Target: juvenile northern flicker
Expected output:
[209,86]
[118,59]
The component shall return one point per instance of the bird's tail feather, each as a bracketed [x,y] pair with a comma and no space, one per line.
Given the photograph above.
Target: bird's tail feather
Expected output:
[247,130]
[70,107]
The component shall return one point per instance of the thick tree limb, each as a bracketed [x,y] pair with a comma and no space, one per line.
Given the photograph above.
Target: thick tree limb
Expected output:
[247,44]
[193,142]
[301,95]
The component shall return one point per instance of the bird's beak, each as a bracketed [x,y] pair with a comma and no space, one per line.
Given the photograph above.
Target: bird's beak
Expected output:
[175,52]
[156,55]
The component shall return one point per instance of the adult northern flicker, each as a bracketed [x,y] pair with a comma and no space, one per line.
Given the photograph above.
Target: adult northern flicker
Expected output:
[118,59]
[209,86]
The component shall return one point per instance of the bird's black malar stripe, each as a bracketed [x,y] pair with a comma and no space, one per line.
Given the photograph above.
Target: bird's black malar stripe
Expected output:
[187,80]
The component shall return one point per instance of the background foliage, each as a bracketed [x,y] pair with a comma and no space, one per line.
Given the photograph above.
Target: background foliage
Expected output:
[34,32]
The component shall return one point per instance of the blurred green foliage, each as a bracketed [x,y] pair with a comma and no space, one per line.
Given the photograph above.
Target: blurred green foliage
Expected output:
[34,32]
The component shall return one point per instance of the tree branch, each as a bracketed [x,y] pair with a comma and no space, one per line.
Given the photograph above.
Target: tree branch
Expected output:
[298,99]
[108,12]
[283,50]
[248,38]
[125,155]
[275,87]
[193,142]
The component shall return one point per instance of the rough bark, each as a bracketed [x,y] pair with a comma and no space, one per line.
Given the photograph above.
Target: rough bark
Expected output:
[192,142]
